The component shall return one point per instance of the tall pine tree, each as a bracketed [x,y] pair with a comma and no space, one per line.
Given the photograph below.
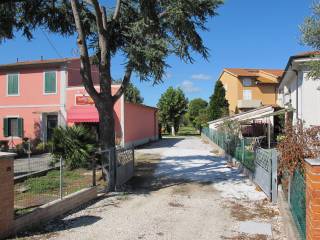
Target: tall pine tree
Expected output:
[218,105]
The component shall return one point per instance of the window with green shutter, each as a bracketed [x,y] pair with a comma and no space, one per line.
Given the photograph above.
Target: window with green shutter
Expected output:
[6,127]
[50,82]
[13,127]
[13,84]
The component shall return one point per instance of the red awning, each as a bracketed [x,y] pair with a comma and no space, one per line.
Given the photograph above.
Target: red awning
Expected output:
[83,114]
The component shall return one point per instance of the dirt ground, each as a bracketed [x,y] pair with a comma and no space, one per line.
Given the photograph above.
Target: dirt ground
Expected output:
[183,189]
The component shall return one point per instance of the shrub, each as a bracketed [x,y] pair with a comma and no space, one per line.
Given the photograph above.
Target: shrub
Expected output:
[20,150]
[76,145]
[43,147]
[296,145]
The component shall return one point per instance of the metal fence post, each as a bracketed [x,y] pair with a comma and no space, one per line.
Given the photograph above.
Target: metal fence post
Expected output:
[29,156]
[242,147]
[61,179]
[274,176]
[112,168]
[94,178]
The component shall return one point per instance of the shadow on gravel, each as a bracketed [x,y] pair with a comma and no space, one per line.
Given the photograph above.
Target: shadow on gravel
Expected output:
[178,170]
[81,221]
[163,143]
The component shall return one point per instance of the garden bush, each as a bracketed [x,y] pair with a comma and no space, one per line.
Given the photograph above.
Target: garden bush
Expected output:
[76,145]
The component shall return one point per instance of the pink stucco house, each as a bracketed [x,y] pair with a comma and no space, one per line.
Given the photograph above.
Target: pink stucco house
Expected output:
[37,96]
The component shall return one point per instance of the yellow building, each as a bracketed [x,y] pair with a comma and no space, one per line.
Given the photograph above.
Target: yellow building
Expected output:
[247,89]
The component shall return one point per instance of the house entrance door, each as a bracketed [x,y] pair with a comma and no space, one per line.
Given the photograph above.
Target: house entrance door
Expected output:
[52,123]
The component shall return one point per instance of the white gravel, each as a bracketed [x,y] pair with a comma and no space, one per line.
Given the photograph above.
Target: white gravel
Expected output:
[201,203]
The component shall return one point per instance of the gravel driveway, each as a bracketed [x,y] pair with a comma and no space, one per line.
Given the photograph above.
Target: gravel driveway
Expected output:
[190,192]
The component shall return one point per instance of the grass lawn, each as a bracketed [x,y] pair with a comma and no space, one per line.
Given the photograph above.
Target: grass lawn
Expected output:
[185,131]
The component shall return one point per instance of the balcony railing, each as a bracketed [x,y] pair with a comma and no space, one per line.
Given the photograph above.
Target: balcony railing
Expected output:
[249,103]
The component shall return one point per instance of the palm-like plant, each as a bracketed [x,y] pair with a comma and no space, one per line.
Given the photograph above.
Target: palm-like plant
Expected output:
[76,145]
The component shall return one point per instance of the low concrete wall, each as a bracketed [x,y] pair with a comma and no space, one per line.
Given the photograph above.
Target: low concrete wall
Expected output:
[54,209]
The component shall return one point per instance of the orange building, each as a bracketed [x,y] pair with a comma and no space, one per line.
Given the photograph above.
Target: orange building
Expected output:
[247,89]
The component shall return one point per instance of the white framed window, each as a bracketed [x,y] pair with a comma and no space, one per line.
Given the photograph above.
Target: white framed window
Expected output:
[50,82]
[13,88]
[247,82]
[247,94]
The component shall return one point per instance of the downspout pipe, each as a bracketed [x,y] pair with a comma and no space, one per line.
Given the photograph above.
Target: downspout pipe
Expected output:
[297,95]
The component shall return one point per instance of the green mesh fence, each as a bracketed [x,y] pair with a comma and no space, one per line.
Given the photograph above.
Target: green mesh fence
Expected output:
[298,202]
[239,148]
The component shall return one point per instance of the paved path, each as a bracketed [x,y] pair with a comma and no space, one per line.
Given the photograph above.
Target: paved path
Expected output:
[193,195]
[36,163]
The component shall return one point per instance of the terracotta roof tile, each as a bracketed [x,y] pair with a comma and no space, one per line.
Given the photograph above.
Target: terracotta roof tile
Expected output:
[254,72]
[305,54]
[36,62]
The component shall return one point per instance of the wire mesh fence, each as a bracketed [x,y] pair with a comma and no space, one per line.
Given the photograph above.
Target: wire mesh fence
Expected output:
[298,201]
[41,179]
[240,148]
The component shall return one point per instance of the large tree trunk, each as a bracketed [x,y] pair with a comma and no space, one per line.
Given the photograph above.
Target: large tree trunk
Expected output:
[103,99]
[107,137]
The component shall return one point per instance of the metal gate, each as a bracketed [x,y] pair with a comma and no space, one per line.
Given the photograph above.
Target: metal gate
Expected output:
[123,160]
[265,174]
[125,165]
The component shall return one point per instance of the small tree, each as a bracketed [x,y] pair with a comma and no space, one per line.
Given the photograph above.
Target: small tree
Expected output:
[310,31]
[202,119]
[172,105]
[218,105]
[194,108]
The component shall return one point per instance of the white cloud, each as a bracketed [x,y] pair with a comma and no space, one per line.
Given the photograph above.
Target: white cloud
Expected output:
[201,77]
[189,87]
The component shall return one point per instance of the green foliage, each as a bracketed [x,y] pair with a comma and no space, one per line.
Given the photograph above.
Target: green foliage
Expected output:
[310,30]
[25,16]
[202,119]
[218,105]
[186,119]
[43,147]
[187,131]
[145,32]
[46,183]
[132,94]
[230,128]
[198,114]
[172,105]
[76,145]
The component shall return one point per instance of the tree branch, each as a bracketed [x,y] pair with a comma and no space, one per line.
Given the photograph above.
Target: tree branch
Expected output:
[98,14]
[104,63]
[85,68]
[117,10]
[124,84]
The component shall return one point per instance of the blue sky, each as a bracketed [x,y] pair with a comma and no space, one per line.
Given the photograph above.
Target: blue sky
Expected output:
[247,33]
